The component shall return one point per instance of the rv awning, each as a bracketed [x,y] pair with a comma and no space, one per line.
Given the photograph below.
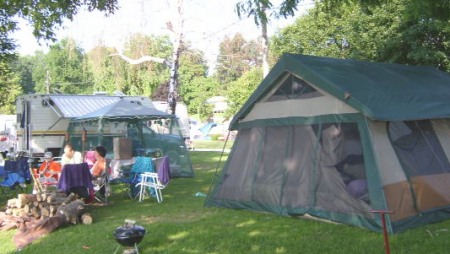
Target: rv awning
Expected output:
[76,106]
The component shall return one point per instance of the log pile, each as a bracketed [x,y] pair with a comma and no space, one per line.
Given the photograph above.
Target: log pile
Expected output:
[35,215]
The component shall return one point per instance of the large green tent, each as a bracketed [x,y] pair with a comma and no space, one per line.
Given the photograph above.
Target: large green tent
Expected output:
[339,139]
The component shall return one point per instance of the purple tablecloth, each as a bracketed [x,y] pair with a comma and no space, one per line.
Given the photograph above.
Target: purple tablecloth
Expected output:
[74,175]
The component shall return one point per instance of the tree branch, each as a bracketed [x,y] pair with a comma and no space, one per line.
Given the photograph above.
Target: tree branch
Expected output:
[142,59]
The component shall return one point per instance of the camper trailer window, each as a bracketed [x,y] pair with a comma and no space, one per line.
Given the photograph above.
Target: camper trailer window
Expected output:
[47,102]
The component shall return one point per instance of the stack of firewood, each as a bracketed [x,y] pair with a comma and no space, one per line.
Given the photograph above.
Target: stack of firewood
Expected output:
[38,214]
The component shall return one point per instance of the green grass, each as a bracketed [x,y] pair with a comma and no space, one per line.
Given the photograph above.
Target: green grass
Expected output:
[212,144]
[181,224]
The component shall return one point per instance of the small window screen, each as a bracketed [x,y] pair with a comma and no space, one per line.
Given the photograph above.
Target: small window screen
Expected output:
[418,148]
[294,88]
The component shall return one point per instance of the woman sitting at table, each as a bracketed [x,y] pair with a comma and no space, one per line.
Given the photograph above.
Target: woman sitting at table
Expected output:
[100,164]
[98,169]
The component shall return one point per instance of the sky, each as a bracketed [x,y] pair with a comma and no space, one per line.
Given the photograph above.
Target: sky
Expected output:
[206,24]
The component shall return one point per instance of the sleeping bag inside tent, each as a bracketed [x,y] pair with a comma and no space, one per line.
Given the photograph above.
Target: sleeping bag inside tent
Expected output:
[338,139]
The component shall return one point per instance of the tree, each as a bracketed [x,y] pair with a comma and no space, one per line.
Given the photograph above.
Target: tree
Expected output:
[192,66]
[197,92]
[424,42]
[416,10]
[379,35]
[43,16]
[9,89]
[24,66]
[236,56]
[258,9]
[64,68]
[437,9]
[146,77]
[108,73]
[240,90]
[175,25]
[323,34]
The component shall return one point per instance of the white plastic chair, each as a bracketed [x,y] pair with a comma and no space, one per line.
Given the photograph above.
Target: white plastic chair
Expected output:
[151,180]
[155,181]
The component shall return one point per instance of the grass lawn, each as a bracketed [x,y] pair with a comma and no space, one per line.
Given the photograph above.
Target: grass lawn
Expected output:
[210,144]
[181,224]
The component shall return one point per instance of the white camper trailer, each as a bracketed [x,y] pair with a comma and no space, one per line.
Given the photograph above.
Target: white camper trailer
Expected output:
[43,119]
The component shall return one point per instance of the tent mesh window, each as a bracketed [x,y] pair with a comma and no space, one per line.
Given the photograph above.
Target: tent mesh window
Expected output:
[424,162]
[294,88]
[317,167]
[418,148]
[341,149]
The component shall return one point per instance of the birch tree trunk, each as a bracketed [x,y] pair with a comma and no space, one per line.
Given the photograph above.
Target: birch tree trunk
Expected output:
[176,27]
[265,48]
[177,45]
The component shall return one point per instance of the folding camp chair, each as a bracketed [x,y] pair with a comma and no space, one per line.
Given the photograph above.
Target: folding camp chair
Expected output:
[155,181]
[12,183]
[2,172]
[141,165]
[102,188]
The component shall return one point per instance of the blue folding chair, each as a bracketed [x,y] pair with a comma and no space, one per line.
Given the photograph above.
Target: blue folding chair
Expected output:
[21,167]
[12,183]
[2,172]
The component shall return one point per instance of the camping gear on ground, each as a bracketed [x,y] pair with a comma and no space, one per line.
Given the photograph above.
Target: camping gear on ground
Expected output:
[16,176]
[338,138]
[129,235]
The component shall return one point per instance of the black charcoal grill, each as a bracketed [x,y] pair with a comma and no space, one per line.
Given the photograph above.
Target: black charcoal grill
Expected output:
[129,236]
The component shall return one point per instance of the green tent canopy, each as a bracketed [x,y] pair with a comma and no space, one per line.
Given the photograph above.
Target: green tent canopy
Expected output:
[337,139]
[129,125]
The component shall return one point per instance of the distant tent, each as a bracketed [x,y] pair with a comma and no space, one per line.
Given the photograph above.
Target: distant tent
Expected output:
[337,138]
[149,130]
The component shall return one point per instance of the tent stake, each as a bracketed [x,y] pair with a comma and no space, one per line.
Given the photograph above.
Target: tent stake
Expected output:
[385,233]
